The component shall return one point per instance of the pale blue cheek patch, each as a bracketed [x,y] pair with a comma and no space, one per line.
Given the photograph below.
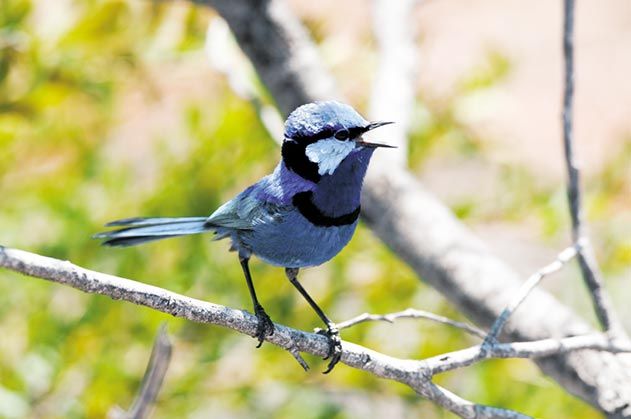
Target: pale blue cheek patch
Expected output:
[328,154]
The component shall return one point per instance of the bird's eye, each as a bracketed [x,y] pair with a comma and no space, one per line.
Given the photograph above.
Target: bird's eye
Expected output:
[342,134]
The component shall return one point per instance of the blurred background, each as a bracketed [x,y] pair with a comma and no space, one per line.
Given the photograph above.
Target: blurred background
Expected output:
[110,109]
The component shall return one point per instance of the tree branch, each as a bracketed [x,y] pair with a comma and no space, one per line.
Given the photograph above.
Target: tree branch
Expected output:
[586,259]
[562,259]
[536,349]
[416,374]
[411,313]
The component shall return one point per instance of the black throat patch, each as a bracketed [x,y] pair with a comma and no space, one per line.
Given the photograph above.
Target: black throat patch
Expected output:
[308,209]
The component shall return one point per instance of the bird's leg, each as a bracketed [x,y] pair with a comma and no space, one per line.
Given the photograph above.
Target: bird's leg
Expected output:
[335,349]
[265,326]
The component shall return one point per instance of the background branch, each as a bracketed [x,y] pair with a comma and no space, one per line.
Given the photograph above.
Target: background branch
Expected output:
[586,259]
[420,229]
[393,92]
[152,380]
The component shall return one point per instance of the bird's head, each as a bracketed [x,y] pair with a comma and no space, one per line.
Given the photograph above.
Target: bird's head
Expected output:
[320,135]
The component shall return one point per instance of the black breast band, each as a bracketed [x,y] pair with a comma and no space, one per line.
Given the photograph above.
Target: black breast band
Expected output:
[308,209]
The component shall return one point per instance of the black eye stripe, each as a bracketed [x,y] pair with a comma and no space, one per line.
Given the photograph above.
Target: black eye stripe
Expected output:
[327,133]
[310,139]
[356,131]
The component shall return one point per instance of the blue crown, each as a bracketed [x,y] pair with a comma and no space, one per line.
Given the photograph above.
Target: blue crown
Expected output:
[321,120]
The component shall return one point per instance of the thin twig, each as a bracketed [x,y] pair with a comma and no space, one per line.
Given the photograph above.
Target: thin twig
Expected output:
[152,380]
[573,187]
[586,259]
[410,372]
[411,313]
[562,259]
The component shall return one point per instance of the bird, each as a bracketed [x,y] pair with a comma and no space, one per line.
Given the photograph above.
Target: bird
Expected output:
[301,215]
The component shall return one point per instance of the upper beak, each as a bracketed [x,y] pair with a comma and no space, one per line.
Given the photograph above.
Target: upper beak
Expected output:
[370,127]
[377,124]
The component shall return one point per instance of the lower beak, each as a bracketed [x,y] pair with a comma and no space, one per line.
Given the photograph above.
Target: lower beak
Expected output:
[370,127]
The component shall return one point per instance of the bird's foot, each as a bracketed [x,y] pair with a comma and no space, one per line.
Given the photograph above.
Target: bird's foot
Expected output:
[335,347]
[265,326]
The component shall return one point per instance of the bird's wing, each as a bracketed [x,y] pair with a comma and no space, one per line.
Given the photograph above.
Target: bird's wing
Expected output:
[246,211]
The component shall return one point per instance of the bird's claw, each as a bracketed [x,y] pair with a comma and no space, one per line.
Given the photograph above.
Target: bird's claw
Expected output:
[264,327]
[335,347]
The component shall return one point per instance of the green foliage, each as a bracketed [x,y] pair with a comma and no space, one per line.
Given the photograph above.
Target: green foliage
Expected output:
[66,92]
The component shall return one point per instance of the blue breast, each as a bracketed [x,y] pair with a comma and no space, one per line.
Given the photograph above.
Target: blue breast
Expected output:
[295,242]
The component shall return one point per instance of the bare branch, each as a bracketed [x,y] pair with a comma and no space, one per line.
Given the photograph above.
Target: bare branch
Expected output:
[416,374]
[562,259]
[152,380]
[536,349]
[411,313]
[586,259]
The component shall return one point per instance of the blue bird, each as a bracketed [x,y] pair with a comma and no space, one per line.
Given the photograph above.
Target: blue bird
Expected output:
[301,215]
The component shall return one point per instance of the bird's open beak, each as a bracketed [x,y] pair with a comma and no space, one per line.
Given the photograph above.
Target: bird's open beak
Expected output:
[370,127]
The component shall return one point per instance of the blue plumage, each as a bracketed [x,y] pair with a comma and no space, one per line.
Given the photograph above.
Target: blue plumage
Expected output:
[301,215]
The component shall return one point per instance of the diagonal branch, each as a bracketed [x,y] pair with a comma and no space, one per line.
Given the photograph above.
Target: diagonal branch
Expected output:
[420,229]
[586,259]
[416,374]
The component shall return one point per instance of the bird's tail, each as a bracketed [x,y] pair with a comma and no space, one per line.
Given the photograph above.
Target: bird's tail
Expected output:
[133,231]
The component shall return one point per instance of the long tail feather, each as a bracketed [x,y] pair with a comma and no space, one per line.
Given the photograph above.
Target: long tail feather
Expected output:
[132,241]
[141,230]
[143,221]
